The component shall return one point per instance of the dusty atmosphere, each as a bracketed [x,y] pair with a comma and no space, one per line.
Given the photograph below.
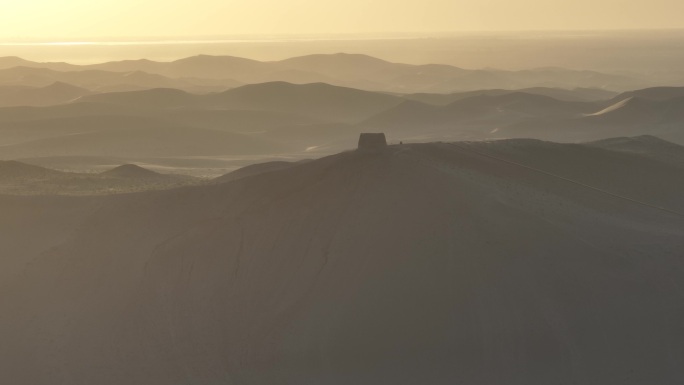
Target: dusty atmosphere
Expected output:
[335,193]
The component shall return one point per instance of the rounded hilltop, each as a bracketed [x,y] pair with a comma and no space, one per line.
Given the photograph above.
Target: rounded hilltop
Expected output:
[131,171]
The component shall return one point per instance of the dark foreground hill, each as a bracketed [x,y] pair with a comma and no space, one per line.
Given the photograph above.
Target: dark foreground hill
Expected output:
[255,169]
[647,146]
[432,263]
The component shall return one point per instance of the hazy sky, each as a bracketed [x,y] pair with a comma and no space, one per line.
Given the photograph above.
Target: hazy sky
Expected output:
[54,19]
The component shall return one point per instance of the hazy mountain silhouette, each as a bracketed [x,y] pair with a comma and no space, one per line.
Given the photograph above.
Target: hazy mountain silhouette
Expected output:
[13,61]
[56,93]
[19,131]
[424,263]
[340,65]
[167,140]
[654,94]
[151,98]
[78,109]
[202,66]
[358,71]
[243,121]
[12,170]
[317,100]
[524,104]
[104,81]
[480,115]
[304,116]
[574,95]
[441,78]
[323,138]
[630,116]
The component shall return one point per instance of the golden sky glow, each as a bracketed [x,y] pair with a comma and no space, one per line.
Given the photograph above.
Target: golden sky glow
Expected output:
[54,19]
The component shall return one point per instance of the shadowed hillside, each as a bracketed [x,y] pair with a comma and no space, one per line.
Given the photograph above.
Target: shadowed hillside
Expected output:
[507,262]
[647,146]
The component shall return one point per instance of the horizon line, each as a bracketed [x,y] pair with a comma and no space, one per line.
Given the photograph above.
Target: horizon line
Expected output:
[291,38]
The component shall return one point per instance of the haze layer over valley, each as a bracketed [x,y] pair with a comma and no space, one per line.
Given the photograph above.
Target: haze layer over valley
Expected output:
[338,218]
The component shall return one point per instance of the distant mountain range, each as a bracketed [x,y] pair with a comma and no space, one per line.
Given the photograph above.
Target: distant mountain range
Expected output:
[628,114]
[105,81]
[282,118]
[348,70]
[315,100]
[55,93]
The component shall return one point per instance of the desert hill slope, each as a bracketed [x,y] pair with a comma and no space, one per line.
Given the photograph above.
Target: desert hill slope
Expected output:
[254,169]
[425,263]
[53,218]
[645,145]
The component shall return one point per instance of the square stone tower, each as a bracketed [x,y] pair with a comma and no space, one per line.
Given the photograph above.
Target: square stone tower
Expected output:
[375,142]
